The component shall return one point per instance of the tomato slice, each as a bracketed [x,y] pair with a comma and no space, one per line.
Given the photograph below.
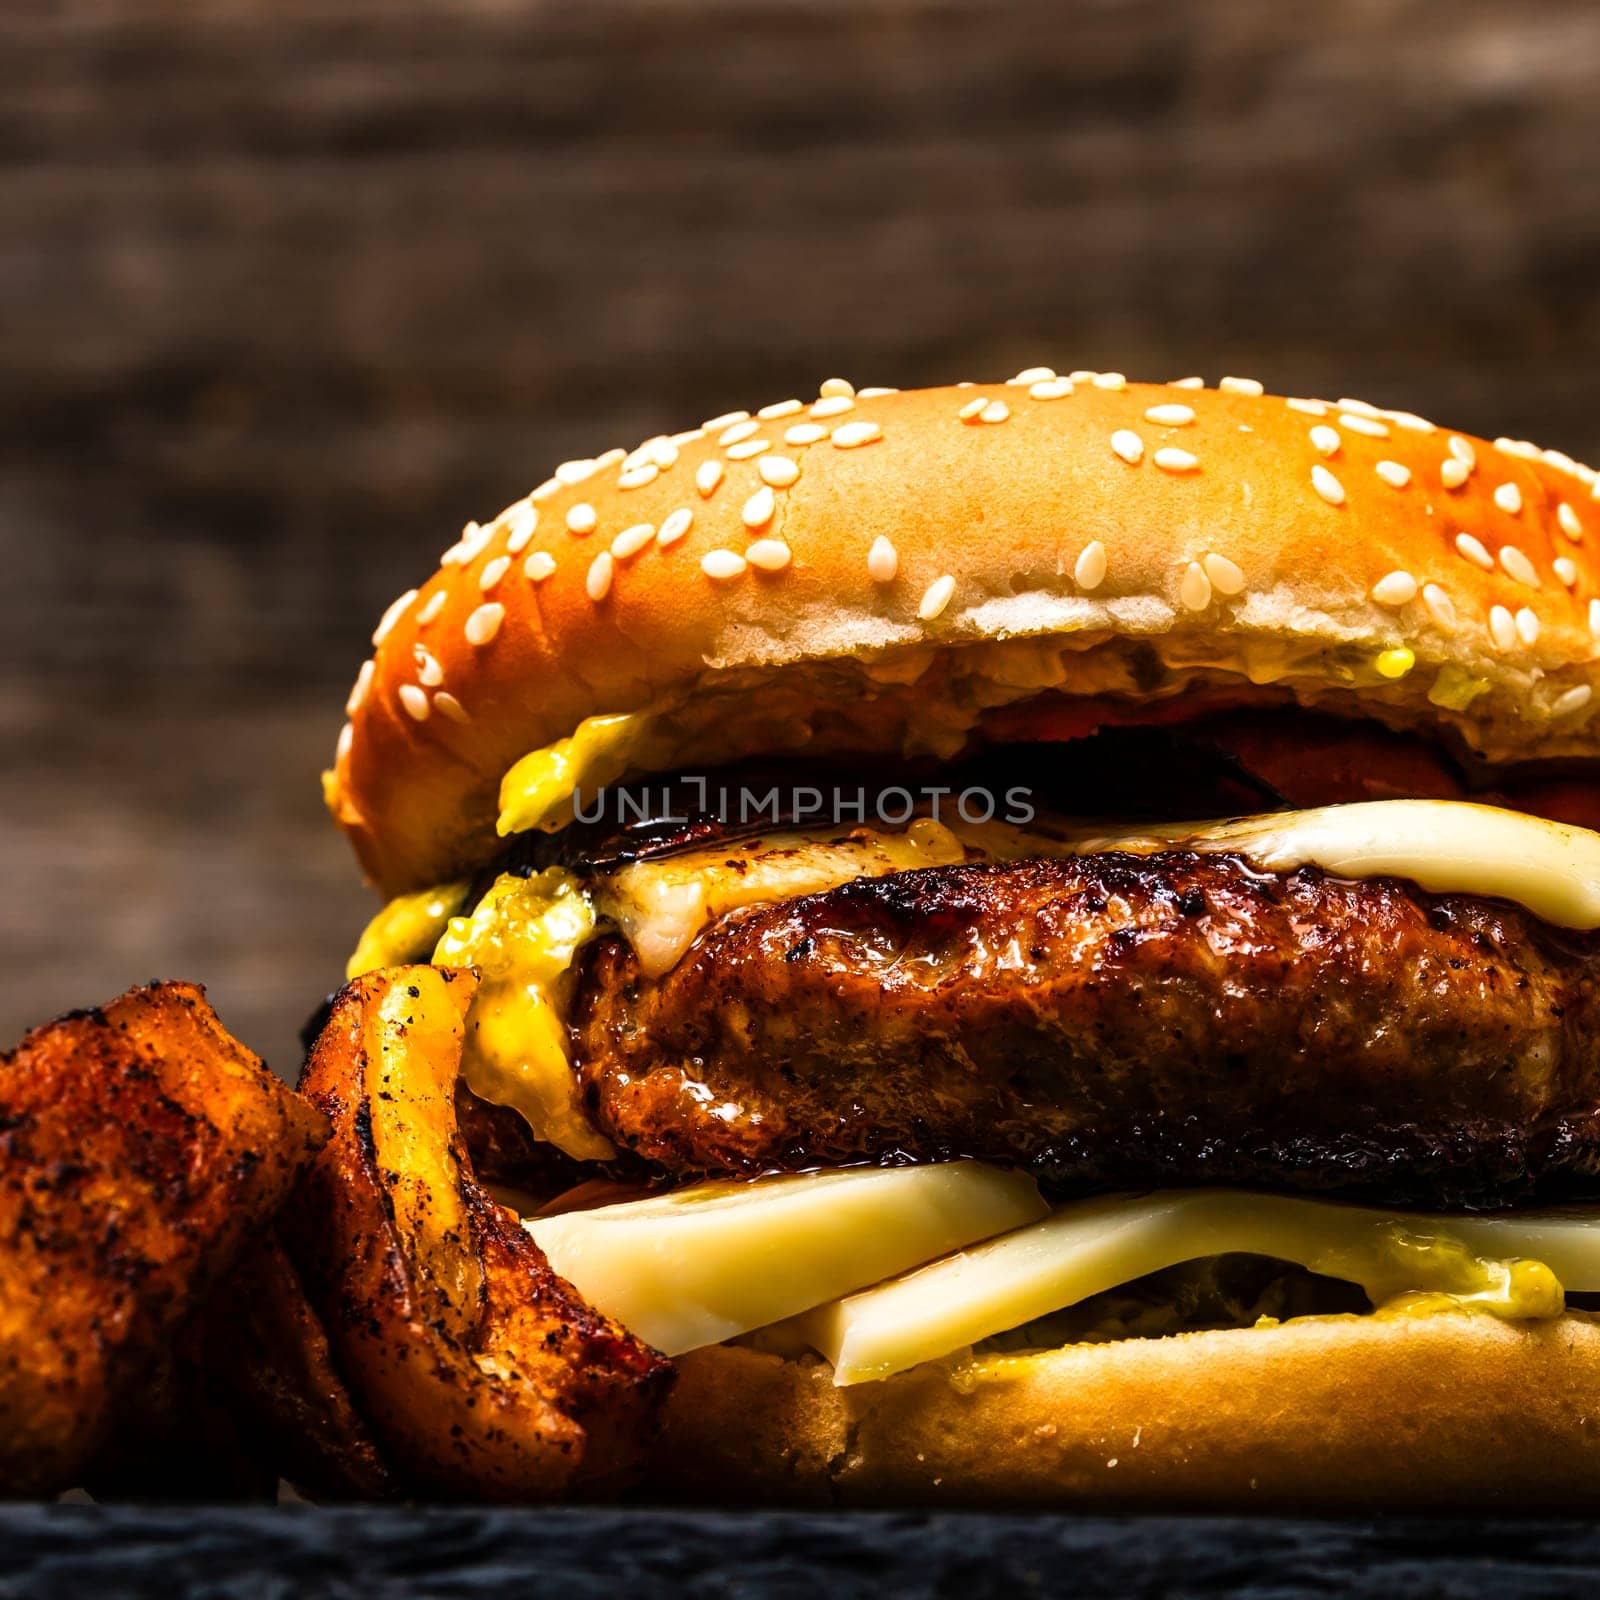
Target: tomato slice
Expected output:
[1308,757]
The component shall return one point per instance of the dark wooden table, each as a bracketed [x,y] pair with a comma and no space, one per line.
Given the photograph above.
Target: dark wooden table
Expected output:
[290,288]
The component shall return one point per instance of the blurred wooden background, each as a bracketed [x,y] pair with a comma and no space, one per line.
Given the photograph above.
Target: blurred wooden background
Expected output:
[290,288]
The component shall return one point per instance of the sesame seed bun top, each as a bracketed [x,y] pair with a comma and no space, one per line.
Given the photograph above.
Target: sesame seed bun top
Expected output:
[872,568]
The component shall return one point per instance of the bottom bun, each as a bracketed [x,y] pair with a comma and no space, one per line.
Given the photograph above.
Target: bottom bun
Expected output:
[1445,1409]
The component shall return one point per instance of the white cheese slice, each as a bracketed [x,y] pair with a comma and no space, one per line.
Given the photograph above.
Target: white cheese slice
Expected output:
[1513,1265]
[703,1264]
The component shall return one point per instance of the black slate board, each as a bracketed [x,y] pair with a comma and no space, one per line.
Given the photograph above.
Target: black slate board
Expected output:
[240,1554]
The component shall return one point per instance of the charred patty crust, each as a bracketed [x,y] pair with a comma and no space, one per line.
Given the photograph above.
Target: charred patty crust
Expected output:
[1115,1020]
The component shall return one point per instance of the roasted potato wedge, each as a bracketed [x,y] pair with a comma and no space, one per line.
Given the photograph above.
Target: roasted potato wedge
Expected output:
[261,1345]
[482,1372]
[140,1148]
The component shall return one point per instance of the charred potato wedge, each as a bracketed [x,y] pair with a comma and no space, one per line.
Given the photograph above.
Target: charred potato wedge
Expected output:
[141,1147]
[483,1373]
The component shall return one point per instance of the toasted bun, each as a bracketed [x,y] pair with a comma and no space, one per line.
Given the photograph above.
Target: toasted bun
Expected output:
[1335,1413]
[1333,551]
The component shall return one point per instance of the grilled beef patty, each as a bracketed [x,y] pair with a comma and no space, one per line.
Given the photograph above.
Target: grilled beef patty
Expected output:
[1116,1020]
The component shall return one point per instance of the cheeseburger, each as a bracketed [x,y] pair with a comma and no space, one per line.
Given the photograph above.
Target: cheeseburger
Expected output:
[1028,943]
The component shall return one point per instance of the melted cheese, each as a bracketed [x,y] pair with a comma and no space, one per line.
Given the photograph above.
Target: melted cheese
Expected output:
[1511,1266]
[707,1263]
[406,930]
[522,937]
[1446,846]
[538,791]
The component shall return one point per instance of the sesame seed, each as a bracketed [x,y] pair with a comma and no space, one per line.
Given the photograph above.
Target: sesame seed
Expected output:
[1395,663]
[722,564]
[1171,459]
[1560,460]
[1396,589]
[738,432]
[833,405]
[833,388]
[995,411]
[639,476]
[538,566]
[1440,607]
[883,561]
[1566,570]
[1109,380]
[760,508]
[1462,450]
[632,540]
[545,489]
[853,434]
[341,750]
[429,673]
[803,433]
[582,519]
[1187,383]
[726,420]
[662,451]
[936,597]
[1031,375]
[1575,699]
[1594,617]
[397,609]
[783,408]
[520,519]
[770,555]
[1089,570]
[1362,408]
[1409,419]
[1310,408]
[432,609]
[1082,375]
[484,623]
[493,572]
[1240,386]
[1194,588]
[688,436]
[1226,576]
[674,527]
[1528,626]
[1327,485]
[1502,628]
[1050,389]
[358,690]
[1475,551]
[1393,473]
[968,412]
[1567,520]
[1522,449]
[746,448]
[1170,416]
[597,583]
[609,458]
[1518,566]
[706,478]
[779,471]
[1326,439]
[447,703]
[414,701]
[1358,423]
[1127,444]
[1453,473]
[1509,498]
[571,472]
[872,392]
